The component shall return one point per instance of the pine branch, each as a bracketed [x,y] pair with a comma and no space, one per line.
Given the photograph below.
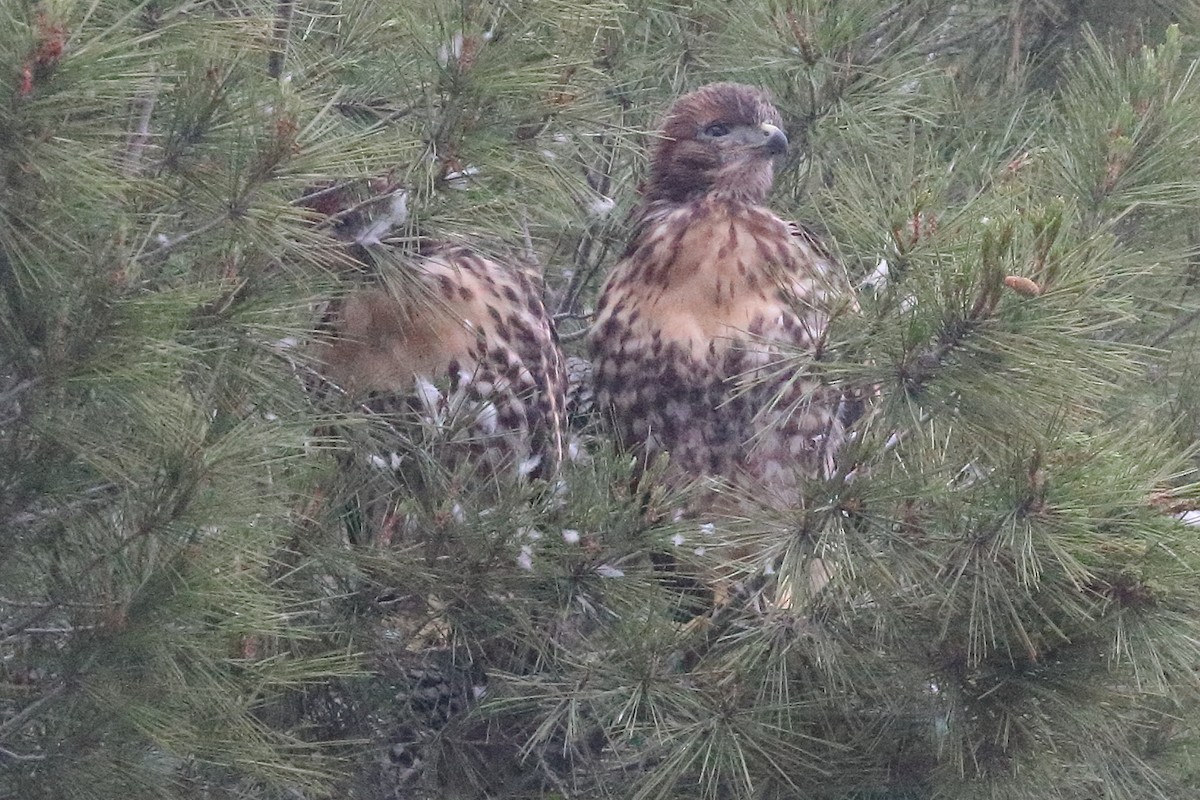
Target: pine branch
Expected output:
[1178,326]
[140,136]
[284,10]
[13,724]
[173,243]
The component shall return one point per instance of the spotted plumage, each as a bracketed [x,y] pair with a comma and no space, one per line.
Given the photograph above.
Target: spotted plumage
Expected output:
[699,325]
[468,350]
[454,362]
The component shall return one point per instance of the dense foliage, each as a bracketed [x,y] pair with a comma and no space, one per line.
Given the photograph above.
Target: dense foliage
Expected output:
[200,595]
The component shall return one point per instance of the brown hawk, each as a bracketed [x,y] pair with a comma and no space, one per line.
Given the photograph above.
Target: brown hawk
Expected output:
[468,349]
[456,360]
[699,325]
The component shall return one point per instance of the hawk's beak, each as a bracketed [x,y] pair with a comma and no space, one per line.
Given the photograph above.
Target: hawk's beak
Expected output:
[774,140]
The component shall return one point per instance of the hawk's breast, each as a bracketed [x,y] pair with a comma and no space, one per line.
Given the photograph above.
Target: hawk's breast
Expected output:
[693,330]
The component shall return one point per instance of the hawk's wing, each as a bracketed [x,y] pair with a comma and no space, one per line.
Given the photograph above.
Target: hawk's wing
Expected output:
[474,362]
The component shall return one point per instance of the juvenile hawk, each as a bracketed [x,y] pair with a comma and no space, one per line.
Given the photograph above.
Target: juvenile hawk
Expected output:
[469,351]
[456,360]
[699,324]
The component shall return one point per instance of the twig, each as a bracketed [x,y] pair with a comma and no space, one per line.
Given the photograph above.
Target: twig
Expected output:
[1186,321]
[23,386]
[969,35]
[169,245]
[548,772]
[381,112]
[135,145]
[586,265]
[283,25]
[28,517]
[574,335]
[145,529]
[10,755]
[5,601]
[317,194]
[333,219]
[9,399]
[8,601]
[14,724]
[1014,54]
[527,239]
[587,315]
[583,277]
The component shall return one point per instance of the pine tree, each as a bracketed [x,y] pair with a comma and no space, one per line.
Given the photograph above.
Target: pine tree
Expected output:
[198,596]
[997,527]
[156,447]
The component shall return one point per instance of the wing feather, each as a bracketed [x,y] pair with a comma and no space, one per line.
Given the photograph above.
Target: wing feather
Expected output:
[479,340]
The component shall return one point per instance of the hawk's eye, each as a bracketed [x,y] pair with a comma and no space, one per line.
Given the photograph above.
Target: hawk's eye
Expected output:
[717,129]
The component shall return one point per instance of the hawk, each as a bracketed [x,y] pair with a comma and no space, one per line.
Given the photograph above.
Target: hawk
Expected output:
[699,325]
[468,350]
[461,362]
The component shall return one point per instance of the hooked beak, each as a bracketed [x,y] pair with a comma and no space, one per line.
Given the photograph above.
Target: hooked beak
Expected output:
[774,141]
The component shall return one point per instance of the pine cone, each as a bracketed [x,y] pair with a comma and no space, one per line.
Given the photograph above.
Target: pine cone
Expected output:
[581,397]
[433,690]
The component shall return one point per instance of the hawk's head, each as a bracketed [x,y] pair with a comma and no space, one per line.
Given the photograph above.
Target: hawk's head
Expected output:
[723,137]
